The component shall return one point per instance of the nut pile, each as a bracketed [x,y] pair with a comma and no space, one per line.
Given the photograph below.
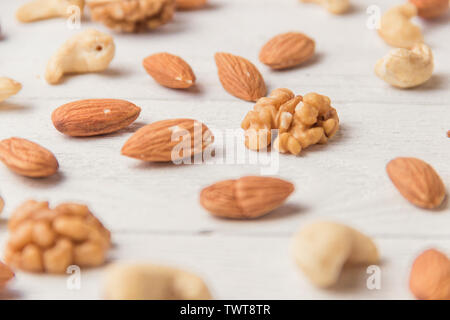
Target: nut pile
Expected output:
[49,240]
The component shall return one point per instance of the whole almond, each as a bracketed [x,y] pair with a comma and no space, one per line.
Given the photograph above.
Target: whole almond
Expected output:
[27,158]
[430,9]
[287,50]
[417,181]
[190,4]
[169,70]
[240,77]
[6,274]
[245,198]
[93,117]
[430,276]
[165,141]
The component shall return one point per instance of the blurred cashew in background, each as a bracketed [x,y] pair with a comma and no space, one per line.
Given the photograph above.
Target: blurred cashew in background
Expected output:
[333,6]
[396,27]
[47,9]
[88,51]
[405,68]
[322,249]
[8,88]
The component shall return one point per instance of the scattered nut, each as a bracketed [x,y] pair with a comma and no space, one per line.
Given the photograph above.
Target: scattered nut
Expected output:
[47,9]
[430,276]
[8,88]
[169,140]
[287,50]
[88,51]
[245,198]
[405,68]
[397,29]
[6,274]
[417,181]
[85,118]
[333,6]
[27,158]
[49,240]
[301,121]
[132,15]
[169,70]
[322,249]
[190,4]
[2,204]
[430,9]
[239,77]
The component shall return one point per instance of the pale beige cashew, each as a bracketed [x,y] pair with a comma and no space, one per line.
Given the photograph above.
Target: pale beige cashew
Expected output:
[47,9]
[404,68]
[333,6]
[88,51]
[397,29]
[126,281]
[322,249]
[8,88]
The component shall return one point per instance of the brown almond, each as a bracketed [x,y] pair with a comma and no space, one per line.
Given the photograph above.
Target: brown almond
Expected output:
[417,181]
[240,77]
[169,70]
[245,198]
[430,276]
[93,117]
[190,4]
[27,158]
[287,50]
[6,274]
[165,141]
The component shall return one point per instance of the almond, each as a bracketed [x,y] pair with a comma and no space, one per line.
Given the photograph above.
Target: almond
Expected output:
[245,198]
[287,50]
[2,204]
[165,141]
[240,77]
[417,181]
[190,4]
[6,274]
[93,117]
[430,276]
[169,70]
[430,9]
[27,158]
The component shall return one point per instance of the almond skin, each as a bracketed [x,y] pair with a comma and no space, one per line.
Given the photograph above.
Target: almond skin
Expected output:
[245,198]
[240,77]
[417,181]
[430,276]
[430,9]
[27,158]
[154,141]
[169,71]
[94,117]
[287,50]
[190,4]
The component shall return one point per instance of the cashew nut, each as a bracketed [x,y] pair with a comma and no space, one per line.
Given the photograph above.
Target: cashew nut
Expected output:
[397,29]
[406,68]
[322,249]
[8,88]
[88,51]
[152,282]
[46,9]
[333,6]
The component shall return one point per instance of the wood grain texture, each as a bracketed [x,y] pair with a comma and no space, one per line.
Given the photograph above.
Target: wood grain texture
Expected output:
[153,209]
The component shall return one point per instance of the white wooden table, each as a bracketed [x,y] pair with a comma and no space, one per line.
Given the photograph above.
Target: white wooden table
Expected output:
[153,210]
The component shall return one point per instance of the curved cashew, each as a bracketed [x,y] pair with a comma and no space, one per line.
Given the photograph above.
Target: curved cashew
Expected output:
[397,29]
[8,88]
[153,282]
[322,249]
[333,6]
[46,9]
[406,68]
[88,51]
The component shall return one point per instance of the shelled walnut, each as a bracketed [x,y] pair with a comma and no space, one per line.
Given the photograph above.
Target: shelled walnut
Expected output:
[132,15]
[49,240]
[301,121]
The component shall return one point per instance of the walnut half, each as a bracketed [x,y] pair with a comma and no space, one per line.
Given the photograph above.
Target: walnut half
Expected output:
[132,15]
